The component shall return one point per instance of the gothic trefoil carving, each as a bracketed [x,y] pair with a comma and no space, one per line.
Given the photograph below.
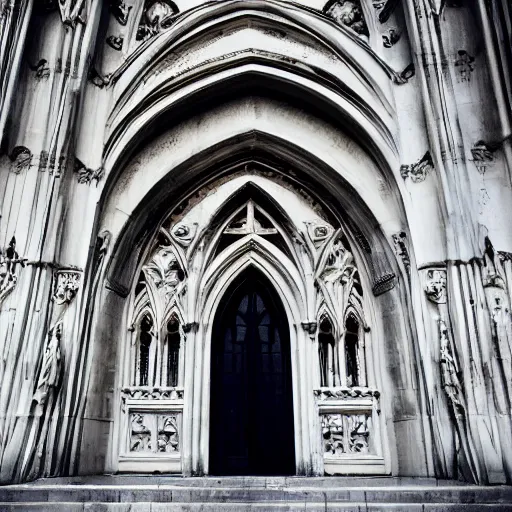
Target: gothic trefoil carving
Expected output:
[157,15]
[435,288]
[67,285]
[347,13]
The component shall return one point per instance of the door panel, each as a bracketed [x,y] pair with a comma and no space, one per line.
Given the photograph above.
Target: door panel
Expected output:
[251,396]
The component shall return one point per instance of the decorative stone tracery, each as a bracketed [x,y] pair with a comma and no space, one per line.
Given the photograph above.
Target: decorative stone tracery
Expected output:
[247,225]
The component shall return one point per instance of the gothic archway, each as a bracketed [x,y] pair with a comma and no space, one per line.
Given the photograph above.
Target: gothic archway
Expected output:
[251,426]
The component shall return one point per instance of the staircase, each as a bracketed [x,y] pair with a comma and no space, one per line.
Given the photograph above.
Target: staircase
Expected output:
[210,494]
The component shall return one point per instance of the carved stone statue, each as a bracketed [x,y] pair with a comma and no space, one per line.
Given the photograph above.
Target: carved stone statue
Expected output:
[449,374]
[9,260]
[155,13]
[49,376]
[347,13]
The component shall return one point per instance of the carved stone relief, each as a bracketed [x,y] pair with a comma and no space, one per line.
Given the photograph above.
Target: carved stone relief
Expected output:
[51,367]
[21,158]
[115,42]
[464,65]
[493,275]
[140,435]
[347,13]
[483,155]
[435,288]
[157,15]
[184,234]
[400,242]
[66,286]
[384,8]
[156,393]
[72,11]
[419,170]
[120,11]
[383,284]
[345,434]
[41,69]
[154,432]
[10,262]
[390,38]
[165,271]
[86,175]
[168,436]
[345,393]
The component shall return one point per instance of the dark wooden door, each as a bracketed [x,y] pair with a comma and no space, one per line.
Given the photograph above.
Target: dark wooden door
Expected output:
[251,431]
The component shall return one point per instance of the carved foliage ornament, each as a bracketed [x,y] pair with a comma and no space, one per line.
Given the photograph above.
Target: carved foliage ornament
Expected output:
[165,272]
[419,170]
[347,13]
[67,285]
[86,175]
[435,288]
[21,158]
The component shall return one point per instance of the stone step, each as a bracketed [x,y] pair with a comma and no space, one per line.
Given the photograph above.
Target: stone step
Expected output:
[146,494]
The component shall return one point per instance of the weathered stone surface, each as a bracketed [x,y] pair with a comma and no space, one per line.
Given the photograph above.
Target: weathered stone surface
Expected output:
[357,154]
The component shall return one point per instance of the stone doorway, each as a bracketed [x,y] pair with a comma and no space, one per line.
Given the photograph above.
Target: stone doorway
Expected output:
[251,430]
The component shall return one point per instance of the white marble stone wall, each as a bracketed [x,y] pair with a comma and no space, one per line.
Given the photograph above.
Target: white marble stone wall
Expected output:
[112,114]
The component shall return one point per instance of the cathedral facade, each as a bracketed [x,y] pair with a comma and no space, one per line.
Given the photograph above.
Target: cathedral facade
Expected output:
[256,237]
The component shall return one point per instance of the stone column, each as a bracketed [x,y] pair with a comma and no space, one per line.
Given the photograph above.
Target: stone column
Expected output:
[39,344]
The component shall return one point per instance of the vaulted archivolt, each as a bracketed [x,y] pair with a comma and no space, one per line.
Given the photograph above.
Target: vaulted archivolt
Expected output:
[248,221]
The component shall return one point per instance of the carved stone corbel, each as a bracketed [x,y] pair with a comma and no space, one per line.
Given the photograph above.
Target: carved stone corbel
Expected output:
[190,327]
[21,159]
[66,286]
[310,328]
[435,288]
[86,175]
[419,170]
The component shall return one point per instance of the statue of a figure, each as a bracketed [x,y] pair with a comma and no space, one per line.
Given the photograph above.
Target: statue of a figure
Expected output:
[449,377]
[49,375]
